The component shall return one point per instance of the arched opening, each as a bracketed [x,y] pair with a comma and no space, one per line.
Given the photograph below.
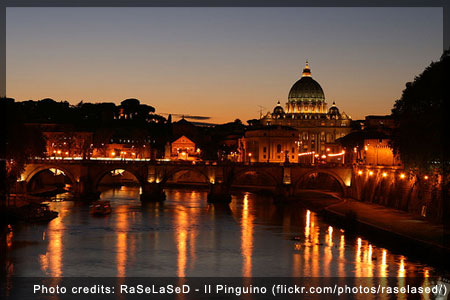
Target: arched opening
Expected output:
[188,177]
[118,184]
[318,181]
[254,179]
[50,182]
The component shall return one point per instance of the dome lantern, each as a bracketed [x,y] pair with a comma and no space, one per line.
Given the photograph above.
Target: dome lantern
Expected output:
[306,71]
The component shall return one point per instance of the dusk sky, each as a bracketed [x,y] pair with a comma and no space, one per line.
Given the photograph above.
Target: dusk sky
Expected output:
[219,62]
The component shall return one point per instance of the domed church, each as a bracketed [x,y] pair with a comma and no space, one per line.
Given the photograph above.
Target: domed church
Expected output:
[306,111]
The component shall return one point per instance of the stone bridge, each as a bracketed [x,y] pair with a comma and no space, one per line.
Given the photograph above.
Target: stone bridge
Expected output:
[153,176]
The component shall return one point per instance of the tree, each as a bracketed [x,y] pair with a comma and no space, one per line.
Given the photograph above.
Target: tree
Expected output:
[20,142]
[419,115]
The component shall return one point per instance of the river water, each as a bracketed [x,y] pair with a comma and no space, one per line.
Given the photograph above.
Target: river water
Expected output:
[186,236]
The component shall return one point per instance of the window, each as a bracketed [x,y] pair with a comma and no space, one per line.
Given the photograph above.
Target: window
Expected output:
[322,136]
[305,136]
[265,149]
[278,148]
[293,150]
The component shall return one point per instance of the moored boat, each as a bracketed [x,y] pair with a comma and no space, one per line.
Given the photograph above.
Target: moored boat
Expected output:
[36,213]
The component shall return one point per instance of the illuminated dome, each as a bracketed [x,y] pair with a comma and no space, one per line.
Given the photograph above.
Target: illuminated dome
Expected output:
[278,110]
[306,96]
[306,89]
[334,110]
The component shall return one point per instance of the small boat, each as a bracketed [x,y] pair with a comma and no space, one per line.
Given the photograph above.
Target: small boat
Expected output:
[36,213]
[100,208]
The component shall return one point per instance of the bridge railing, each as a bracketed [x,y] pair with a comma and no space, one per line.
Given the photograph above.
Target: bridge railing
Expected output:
[57,160]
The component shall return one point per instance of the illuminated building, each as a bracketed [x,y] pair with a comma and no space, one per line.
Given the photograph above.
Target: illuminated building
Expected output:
[378,152]
[69,144]
[269,144]
[307,112]
[184,149]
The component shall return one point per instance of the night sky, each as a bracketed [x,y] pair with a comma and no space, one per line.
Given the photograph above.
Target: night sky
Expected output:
[219,62]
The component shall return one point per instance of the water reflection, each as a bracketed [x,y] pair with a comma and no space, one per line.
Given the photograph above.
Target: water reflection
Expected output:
[246,238]
[122,227]
[181,241]
[52,261]
[185,236]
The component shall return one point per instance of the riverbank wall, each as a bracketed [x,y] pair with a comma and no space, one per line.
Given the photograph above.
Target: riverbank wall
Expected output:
[393,187]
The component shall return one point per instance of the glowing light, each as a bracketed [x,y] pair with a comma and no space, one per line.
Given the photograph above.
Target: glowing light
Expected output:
[425,177]
[360,172]
[250,154]
[247,238]
[369,255]
[330,235]
[308,224]
[113,153]
[337,154]
[328,149]
[182,242]
[402,270]
[370,173]
[384,174]
[324,156]
[305,153]
[56,172]
[383,266]
[402,176]
[117,172]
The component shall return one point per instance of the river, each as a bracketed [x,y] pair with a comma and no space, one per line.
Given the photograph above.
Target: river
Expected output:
[186,236]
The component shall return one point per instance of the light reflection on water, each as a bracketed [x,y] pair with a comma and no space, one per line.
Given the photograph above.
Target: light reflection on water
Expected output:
[185,236]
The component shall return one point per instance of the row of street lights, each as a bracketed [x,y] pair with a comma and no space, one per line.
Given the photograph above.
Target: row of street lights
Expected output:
[385,174]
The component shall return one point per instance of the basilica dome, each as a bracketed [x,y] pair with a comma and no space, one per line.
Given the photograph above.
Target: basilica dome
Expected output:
[306,89]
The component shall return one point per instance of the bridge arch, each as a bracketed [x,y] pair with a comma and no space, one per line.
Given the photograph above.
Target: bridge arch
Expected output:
[39,169]
[259,174]
[332,174]
[170,174]
[98,178]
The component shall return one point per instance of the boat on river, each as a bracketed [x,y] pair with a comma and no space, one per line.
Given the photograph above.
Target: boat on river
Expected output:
[36,213]
[100,208]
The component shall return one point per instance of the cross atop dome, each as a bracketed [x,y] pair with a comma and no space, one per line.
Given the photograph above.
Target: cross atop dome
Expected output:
[306,70]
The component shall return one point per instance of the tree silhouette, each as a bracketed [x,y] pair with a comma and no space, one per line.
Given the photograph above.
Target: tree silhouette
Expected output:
[419,115]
